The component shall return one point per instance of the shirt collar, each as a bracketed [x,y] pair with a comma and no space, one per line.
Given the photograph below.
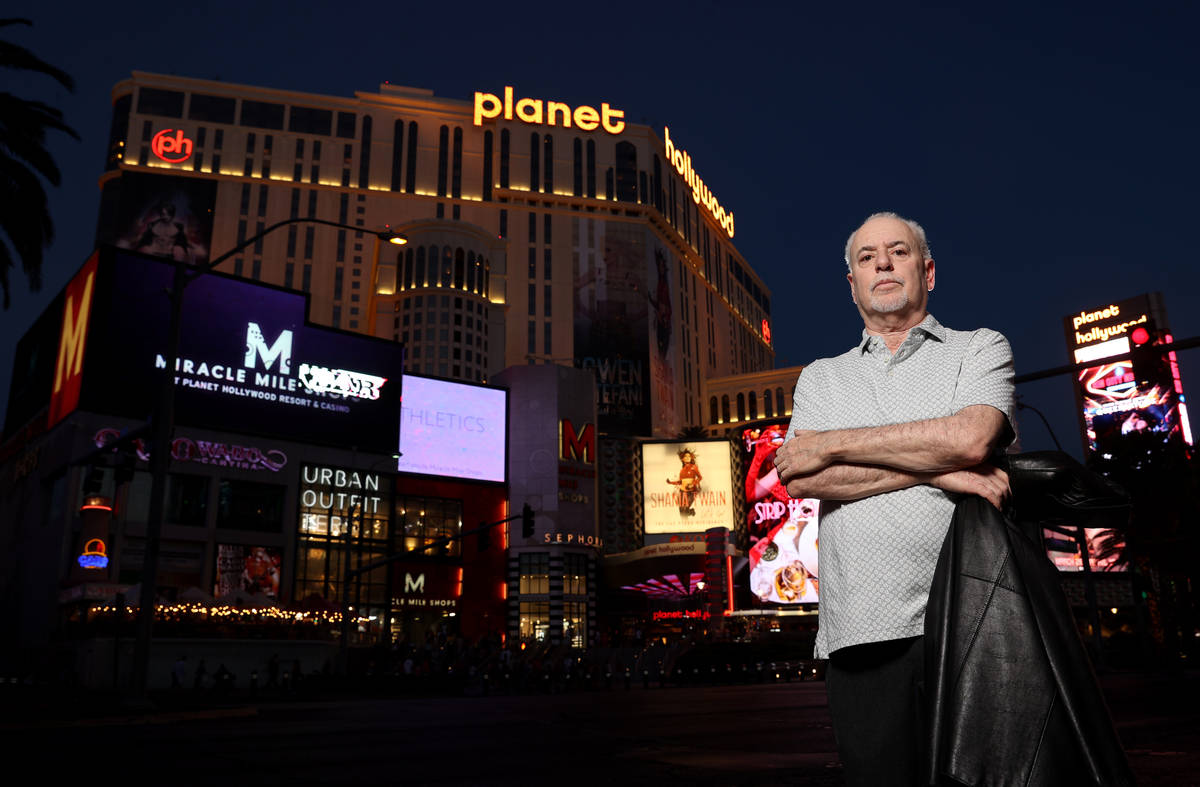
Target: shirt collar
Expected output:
[928,326]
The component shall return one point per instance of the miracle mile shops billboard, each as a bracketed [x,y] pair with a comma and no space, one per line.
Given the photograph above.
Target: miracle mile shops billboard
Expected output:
[249,361]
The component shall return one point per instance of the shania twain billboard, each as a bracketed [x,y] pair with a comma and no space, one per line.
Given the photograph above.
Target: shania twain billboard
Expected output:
[688,487]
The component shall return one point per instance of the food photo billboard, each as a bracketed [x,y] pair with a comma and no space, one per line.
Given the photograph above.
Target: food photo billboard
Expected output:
[782,531]
[688,486]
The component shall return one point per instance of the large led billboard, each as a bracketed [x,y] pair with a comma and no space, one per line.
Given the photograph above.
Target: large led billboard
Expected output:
[248,361]
[1120,396]
[782,531]
[688,487]
[455,430]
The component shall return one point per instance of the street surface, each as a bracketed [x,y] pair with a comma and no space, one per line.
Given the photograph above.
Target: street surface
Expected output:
[758,734]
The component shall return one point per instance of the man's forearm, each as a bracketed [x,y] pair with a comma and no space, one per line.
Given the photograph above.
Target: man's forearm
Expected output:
[853,482]
[937,445]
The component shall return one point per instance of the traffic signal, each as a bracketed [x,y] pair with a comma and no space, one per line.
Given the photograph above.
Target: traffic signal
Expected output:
[527,521]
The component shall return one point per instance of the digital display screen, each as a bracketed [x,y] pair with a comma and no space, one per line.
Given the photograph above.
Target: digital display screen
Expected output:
[452,429]
[688,487]
[782,531]
[248,360]
[1104,547]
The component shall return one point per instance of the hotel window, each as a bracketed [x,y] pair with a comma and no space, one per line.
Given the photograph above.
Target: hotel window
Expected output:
[420,282]
[577,167]
[487,166]
[535,620]
[547,338]
[345,125]
[456,166]
[364,154]
[503,169]
[337,316]
[338,278]
[306,120]
[306,283]
[260,114]
[591,168]
[343,211]
[459,270]
[289,274]
[312,204]
[548,165]
[250,139]
[546,303]
[532,345]
[410,165]
[187,500]
[626,172]
[256,269]
[712,409]
[309,235]
[534,570]
[117,131]
[766,400]
[443,143]
[779,401]
[167,103]
[548,260]
[245,206]
[291,241]
[262,201]
[535,157]
[397,153]
[725,408]
[258,234]
[211,109]
[237,266]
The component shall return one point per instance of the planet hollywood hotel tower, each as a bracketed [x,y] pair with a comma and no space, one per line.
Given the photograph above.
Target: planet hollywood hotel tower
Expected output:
[540,232]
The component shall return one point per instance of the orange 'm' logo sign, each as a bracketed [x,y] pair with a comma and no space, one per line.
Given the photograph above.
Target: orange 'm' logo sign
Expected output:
[172,149]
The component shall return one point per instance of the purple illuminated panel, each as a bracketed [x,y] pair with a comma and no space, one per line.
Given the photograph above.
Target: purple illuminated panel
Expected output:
[453,430]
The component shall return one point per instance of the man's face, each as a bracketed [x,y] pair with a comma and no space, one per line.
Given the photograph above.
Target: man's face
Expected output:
[887,273]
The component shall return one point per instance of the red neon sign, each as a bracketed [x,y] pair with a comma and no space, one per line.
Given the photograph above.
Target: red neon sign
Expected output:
[766,332]
[577,446]
[172,149]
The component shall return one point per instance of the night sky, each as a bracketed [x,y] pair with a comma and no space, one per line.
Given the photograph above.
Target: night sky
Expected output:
[1049,151]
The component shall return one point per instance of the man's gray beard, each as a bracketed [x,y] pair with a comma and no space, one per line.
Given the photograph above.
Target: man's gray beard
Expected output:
[889,303]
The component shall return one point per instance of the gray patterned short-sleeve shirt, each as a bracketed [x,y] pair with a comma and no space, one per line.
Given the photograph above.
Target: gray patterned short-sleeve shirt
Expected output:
[877,555]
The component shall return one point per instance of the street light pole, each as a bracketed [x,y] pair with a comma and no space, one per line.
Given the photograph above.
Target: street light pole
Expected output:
[163,422]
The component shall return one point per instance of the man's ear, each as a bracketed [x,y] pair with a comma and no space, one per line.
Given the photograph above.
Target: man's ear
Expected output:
[929,275]
[850,278]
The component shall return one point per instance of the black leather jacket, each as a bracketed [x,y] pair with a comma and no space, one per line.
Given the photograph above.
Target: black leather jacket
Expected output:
[1012,696]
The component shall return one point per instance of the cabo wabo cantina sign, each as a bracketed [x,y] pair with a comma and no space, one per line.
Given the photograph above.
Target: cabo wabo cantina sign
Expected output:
[248,361]
[537,112]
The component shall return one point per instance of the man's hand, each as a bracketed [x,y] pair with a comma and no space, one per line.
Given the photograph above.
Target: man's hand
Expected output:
[985,480]
[803,454]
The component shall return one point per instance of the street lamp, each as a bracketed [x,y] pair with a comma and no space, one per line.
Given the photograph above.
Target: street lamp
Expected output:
[163,425]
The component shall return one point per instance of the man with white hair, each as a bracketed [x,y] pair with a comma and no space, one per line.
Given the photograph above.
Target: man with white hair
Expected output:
[887,436]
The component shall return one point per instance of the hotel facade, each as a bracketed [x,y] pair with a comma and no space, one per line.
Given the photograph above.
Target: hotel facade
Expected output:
[538,232]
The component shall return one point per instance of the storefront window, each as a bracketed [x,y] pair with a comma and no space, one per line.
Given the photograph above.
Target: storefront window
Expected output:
[575,575]
[187,499]
[245,505]
[535,620]
[344,515]
[425,520]
[535,573]
[575,623]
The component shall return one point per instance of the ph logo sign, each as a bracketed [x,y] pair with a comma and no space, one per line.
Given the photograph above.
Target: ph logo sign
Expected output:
[172,146]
